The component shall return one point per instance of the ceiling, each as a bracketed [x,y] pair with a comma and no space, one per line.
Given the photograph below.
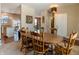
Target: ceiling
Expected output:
[44,6]
[39,6]
[15,7]
[10,7]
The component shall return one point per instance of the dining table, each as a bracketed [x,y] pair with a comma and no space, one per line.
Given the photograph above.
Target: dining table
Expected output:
[49,38]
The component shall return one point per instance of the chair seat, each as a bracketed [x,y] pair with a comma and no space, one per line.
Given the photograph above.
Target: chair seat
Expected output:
[59,49]
[61,44]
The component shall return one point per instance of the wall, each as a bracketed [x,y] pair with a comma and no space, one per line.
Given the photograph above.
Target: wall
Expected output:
[72,16]
[72,11]
[47,22]
[26,10]
[0,21]
[77,20]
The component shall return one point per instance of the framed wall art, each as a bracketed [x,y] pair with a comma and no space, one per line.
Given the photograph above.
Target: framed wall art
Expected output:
[29,19]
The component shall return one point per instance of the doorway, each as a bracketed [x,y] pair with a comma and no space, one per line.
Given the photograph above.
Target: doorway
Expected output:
[10,20]
[37,23]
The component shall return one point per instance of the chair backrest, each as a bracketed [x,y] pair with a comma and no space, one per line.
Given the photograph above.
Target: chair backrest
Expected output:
[72,38]
[38,42]
[23,37]
[71,41]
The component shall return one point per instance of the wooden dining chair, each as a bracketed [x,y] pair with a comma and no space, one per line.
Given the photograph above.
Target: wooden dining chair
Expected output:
[66,49]
[39,45]
[25,42]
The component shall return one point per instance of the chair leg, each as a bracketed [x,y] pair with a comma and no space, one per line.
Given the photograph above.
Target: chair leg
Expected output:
[24,51]
[34,53]
[52,48]
[21,48]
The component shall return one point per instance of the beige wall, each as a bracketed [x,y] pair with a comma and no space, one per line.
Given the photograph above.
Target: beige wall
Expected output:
[47,22]
[72,16]
[0,19]
[72,11]
[26,10]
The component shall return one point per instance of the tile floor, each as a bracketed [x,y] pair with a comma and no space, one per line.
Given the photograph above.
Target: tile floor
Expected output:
[12,49]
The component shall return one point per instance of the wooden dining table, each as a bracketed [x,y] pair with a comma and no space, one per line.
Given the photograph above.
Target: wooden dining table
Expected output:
[49,38]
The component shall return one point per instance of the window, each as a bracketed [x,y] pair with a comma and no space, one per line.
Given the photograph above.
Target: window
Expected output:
[5,19]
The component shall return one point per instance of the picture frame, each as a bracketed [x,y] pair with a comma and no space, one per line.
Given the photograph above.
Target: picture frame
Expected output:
[29,19]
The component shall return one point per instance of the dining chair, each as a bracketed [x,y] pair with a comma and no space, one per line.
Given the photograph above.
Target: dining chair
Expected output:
[39,45]
[25,42]
[66,49]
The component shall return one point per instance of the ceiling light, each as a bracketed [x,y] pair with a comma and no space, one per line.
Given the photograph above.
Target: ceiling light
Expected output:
[51,6]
